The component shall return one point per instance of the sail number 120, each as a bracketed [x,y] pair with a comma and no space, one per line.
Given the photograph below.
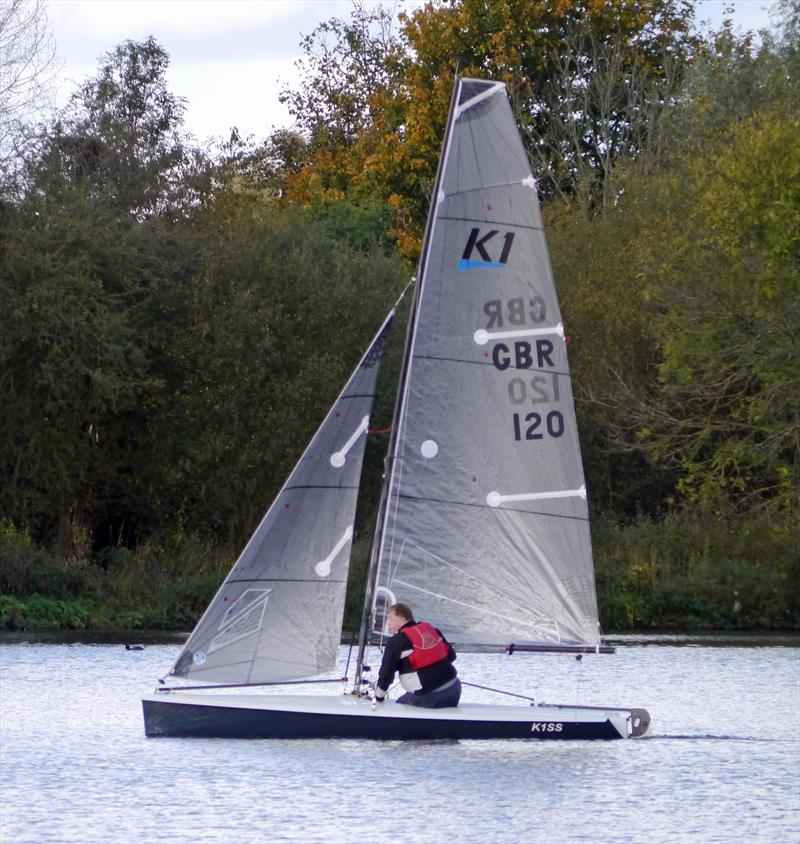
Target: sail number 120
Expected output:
[530,427]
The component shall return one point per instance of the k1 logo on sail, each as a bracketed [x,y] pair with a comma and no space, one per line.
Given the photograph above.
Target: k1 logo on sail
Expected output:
[480,244]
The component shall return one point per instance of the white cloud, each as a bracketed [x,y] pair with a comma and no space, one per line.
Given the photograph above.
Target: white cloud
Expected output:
[244,95]
[229,59]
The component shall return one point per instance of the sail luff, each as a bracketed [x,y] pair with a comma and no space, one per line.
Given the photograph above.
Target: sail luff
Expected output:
[376,547]
[414,319]
[395,472]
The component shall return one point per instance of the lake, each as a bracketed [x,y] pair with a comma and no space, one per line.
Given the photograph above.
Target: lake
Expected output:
[722,765]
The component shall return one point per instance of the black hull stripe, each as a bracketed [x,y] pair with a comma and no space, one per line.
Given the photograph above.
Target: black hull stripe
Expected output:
[182,720]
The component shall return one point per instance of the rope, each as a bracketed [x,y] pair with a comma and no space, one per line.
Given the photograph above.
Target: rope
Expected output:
[346,677]
[371,432]
[499,691]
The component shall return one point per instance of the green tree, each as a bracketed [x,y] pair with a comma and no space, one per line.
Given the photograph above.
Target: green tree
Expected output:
[89,249]
[345,63]
[609,268]
[729,394]
[71,357]
[270,329]
[122,134]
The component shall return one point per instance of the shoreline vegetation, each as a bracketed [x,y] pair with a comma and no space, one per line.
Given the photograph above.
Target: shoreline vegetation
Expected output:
[177,318]
[689,572]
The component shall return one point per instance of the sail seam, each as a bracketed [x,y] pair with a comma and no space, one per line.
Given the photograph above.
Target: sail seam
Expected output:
[284,580]
[505,223]
[489,363]
[423,498]
[481,610]
[311,669]
[319,486]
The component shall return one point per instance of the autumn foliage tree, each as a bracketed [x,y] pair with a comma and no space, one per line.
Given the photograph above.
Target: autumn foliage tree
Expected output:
[579,72]
[622,107]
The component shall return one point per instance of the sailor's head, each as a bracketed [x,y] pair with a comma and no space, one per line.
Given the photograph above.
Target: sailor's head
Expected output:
[398,615]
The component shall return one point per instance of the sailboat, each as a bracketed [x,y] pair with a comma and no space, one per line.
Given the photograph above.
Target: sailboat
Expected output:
[482,523]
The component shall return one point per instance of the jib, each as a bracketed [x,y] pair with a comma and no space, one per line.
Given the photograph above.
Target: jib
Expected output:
[523,355]
[546,728]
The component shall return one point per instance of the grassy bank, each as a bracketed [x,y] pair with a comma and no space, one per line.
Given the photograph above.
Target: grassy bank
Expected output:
[694,571]
[688,572]
[160,587]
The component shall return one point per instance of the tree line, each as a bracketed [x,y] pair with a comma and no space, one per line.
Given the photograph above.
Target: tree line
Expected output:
[177,318]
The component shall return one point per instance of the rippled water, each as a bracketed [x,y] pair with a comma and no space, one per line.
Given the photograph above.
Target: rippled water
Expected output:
[723,764]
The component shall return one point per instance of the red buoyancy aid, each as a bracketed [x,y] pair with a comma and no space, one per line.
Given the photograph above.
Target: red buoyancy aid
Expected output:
[429,647]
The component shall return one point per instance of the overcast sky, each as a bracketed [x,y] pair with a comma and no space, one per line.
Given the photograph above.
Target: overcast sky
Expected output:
[231,58]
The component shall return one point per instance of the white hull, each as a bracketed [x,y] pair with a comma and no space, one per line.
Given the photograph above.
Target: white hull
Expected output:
[193,714]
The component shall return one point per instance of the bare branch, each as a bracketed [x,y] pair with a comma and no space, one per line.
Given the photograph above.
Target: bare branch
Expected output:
[27,68]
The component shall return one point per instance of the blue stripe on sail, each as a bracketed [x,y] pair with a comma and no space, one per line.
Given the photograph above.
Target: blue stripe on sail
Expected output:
[463,264]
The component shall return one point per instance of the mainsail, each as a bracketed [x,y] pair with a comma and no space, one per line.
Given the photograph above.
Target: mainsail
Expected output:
[278,615]
[486,530]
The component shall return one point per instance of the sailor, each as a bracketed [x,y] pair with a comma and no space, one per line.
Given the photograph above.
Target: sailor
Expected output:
[424,659]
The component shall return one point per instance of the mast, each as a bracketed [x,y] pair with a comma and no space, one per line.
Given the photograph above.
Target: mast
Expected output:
[399,406]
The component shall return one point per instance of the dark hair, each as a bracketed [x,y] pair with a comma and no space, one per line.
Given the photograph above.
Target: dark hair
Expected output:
[403,610]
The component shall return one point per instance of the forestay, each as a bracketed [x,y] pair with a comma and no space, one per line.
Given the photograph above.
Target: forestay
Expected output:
[486,529]
[278,615]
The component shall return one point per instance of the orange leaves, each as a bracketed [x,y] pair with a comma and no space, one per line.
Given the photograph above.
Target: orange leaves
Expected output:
[394,154]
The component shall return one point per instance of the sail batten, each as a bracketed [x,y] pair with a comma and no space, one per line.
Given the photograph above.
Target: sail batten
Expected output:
[486,499]
[484,505]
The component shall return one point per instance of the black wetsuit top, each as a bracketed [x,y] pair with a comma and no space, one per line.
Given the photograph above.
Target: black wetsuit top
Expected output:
[395,658]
